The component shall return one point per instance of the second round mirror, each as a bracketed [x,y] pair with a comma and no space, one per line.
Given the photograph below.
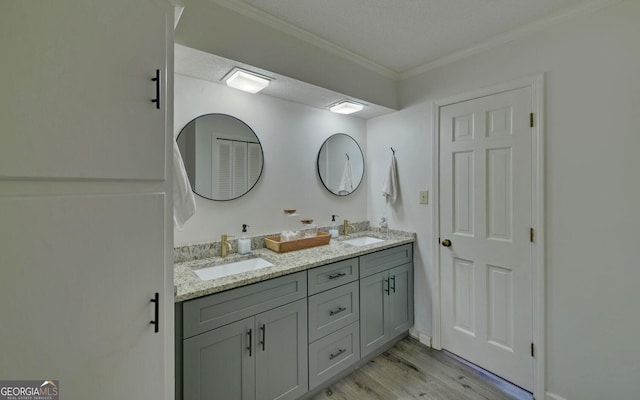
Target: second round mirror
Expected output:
[340,164]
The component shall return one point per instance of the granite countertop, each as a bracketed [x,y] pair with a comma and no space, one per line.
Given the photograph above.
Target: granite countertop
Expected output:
[189,286]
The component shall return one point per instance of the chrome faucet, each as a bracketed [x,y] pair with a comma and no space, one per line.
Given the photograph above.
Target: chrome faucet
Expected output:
[225,246]
[346,226]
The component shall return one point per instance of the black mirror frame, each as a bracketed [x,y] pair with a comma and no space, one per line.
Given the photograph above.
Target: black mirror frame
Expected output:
[261,151]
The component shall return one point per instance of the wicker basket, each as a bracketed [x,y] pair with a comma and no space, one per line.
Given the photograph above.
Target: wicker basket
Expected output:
[274,243]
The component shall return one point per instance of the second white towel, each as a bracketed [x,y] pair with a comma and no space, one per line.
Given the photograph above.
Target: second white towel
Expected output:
[390,185]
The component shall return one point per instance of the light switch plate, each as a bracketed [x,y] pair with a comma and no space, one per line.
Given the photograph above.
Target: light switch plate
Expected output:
[424,197]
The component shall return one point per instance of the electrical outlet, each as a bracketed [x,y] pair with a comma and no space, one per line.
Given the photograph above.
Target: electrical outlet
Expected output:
[424,197]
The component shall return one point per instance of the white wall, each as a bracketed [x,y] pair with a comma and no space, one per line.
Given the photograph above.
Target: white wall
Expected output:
[406,132]
[591,64]
[291,135]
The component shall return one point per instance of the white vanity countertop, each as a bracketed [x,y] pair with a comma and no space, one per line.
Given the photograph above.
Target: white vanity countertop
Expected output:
[189,286]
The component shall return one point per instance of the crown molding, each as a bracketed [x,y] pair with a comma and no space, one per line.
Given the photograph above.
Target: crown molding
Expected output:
[299,33]
[512,35]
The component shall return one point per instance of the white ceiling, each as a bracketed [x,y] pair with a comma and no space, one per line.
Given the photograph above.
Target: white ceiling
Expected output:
[393,38]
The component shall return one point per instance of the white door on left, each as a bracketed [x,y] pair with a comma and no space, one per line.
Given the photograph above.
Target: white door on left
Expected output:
[85,199]
[78,274]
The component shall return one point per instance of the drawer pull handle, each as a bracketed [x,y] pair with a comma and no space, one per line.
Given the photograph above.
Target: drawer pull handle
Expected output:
[337,275]
[263,328]
[386,281]
[158,83]
[156,312]
[337,311]
[336,354]
[394,283]
[250,348]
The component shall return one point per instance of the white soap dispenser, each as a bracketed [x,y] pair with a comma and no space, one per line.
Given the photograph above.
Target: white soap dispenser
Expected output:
[334,227]
[244,243]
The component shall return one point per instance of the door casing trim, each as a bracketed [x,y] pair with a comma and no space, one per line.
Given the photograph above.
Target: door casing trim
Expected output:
[536,84]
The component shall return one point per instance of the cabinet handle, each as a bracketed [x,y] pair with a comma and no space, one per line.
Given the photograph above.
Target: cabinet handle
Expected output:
[337,311]
[387,289]
[263,329]
[394,283]
[157,81]
[156,320]
[250,348]
[337,275]
[336,354]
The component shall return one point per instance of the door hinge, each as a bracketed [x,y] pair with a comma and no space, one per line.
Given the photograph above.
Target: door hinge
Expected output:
[531,235]
[531,120]
[532,350]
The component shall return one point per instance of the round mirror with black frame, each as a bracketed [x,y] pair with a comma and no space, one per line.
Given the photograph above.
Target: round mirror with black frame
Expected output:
[340,164]
[222,156]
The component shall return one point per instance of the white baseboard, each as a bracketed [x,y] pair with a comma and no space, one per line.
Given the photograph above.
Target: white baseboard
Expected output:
[552,396]
[421,337]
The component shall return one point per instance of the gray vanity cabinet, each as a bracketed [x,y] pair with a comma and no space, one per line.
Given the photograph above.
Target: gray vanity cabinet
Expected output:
[280,338]
[386,305]
[248,343]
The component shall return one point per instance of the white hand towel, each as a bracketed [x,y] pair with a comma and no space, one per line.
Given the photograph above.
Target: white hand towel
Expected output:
[390,186]
[346,181]
[184,202]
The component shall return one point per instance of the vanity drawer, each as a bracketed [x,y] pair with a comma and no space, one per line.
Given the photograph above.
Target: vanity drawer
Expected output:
[333,354]
[333,309]
[332,275]
[209,312]
[385,259]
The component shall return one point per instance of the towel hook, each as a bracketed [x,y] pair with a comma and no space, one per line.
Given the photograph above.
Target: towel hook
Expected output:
[347,154]
[393,151]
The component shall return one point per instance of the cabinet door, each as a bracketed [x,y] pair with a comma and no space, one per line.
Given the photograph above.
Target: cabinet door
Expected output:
[281,357]
[76,89]
[78,273]
[400,299]
[219,365]
[374,311]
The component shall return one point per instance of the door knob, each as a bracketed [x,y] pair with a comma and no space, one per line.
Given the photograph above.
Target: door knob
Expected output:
[446,243]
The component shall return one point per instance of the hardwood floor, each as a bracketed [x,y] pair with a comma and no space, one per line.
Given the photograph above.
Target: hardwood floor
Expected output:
[410,370]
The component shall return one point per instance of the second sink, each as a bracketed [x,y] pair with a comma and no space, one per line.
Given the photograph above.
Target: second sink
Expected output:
[362,241]
[219,271]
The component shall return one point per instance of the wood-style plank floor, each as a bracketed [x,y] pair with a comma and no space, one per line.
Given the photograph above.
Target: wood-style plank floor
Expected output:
[410,370]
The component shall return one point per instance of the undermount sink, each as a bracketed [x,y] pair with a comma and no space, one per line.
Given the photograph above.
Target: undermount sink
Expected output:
[363,241]
[219,271]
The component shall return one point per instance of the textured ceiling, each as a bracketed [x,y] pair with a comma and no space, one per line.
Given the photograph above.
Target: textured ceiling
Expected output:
[401,35]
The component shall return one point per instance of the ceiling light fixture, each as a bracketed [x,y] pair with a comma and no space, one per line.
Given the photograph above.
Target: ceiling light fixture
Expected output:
[346,107]
[248,81]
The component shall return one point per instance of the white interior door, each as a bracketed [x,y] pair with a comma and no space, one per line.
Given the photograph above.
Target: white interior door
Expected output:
[78,274]
[485,220]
